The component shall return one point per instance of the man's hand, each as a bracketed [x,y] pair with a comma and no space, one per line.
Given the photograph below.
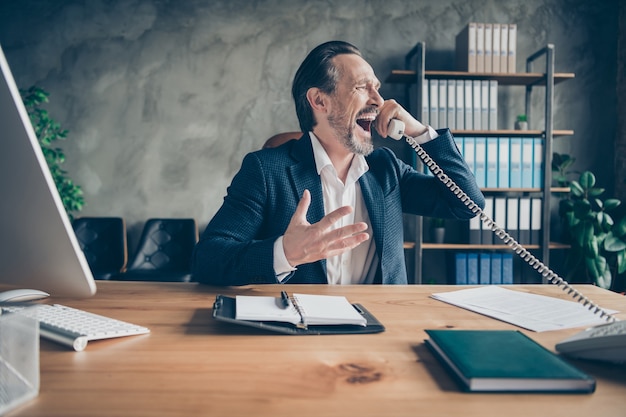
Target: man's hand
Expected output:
[304,242]
[392,110]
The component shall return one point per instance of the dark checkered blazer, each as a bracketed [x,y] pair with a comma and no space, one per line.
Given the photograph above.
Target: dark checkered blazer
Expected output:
[237,246]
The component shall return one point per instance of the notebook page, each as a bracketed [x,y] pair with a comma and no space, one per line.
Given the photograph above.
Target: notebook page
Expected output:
[327,309]
[261,308]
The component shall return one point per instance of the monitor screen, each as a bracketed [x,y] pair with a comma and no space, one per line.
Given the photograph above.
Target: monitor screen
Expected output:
[38,248]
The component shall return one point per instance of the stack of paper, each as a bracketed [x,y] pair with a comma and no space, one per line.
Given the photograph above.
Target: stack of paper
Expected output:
[530,311]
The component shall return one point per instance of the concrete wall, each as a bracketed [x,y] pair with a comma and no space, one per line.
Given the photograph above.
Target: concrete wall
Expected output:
[163,98]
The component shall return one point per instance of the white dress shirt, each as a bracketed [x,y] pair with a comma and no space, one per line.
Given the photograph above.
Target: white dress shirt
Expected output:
[355,266]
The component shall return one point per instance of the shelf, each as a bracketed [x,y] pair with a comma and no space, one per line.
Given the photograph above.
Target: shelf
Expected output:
[509,132]
[529,79]
[467,246]
[521,78]
[524,190]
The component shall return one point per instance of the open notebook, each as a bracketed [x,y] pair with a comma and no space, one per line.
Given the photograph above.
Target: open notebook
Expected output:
[304,314]
[305,309]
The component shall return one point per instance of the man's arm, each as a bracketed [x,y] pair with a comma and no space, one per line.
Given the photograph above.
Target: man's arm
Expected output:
[234,249]
[427,195]
[439,201]
[238,245]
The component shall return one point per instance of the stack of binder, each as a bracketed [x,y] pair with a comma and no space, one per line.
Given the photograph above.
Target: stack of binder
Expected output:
[519,216]
[460,104]
[487,48]
[503,162]
[483,268]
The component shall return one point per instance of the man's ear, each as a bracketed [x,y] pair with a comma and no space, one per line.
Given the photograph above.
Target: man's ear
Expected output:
[317,99]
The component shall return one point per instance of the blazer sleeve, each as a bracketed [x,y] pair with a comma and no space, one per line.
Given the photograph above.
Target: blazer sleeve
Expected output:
[234,249]
[426,195]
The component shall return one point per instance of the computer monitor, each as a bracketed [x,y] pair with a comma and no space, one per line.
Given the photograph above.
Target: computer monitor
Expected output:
[38,247]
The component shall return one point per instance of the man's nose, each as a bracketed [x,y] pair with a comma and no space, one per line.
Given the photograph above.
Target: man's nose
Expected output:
[376,98]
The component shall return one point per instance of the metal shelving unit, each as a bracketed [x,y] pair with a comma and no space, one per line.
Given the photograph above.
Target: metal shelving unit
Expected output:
[414,73]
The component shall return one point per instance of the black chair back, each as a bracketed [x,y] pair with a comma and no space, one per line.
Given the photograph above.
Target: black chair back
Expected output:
[164,251]
[103,241]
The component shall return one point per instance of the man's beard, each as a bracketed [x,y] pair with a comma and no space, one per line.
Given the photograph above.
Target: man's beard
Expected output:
[339,121]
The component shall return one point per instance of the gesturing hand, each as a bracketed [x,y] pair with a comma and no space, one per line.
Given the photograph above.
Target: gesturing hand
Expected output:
[304,242]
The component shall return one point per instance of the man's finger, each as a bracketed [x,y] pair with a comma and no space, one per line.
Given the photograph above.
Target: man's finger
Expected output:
[340,246]
[333,217]
[299,216]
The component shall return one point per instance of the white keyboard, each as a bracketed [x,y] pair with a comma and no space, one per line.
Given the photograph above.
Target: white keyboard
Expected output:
[73,327]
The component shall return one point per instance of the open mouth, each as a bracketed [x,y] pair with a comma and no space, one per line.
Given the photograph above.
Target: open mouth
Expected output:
[365,119]
[366,124]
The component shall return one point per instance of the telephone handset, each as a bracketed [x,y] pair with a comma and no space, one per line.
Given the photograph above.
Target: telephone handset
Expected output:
[396,131]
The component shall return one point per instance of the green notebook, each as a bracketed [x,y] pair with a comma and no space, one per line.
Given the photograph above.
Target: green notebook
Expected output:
[505,361]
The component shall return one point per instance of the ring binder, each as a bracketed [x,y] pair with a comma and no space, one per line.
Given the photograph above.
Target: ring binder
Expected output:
[300,309]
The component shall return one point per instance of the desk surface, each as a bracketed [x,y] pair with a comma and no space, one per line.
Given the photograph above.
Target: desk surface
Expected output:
[191,365]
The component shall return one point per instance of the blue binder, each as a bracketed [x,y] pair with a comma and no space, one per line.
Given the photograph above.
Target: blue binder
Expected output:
[472,268]
[460,263]
[485,268]
[496,268]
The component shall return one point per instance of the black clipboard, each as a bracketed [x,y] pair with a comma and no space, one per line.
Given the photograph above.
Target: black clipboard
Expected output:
[224,310]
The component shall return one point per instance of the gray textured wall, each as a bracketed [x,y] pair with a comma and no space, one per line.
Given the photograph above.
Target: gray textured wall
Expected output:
[164,98]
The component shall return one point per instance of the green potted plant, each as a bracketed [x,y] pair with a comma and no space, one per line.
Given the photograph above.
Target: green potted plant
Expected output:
[48,132]
[521,123]
[597,238]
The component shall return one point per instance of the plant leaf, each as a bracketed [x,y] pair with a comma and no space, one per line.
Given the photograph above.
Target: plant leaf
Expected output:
[595,267]
[620,229]
[587,180]
[576,189]
[621,262]
[604,281]
[613,243]
[594,192]
[611,203]
[591,247]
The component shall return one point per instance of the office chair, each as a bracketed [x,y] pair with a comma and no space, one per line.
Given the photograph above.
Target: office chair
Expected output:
[281,138]
[103,241]
[163,252]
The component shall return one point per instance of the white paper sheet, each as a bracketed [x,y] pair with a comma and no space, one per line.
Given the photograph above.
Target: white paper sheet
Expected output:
[533,312]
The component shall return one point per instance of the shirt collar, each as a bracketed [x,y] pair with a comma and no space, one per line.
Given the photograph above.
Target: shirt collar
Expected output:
[358,167]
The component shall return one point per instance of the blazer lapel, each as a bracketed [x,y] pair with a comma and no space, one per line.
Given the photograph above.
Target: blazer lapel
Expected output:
[303,176]
[372,193]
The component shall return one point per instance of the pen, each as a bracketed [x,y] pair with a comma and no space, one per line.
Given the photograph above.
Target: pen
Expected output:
[285,299]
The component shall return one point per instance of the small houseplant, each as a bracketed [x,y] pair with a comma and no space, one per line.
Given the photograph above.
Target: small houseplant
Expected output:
[48,132]
[521,123]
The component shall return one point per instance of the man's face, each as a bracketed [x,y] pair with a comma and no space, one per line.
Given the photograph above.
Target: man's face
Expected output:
[355,103]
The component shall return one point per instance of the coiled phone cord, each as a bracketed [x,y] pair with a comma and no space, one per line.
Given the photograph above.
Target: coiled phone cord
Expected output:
[528,257]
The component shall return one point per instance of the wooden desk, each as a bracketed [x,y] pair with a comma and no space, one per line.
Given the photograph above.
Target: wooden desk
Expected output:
[191,365]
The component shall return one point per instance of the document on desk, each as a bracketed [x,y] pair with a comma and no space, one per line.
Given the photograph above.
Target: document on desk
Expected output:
[530,311]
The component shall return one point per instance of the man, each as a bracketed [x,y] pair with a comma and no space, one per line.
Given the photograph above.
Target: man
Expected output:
[327,208]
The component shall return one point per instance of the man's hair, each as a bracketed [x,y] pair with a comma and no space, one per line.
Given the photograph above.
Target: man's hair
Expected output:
[317,71]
